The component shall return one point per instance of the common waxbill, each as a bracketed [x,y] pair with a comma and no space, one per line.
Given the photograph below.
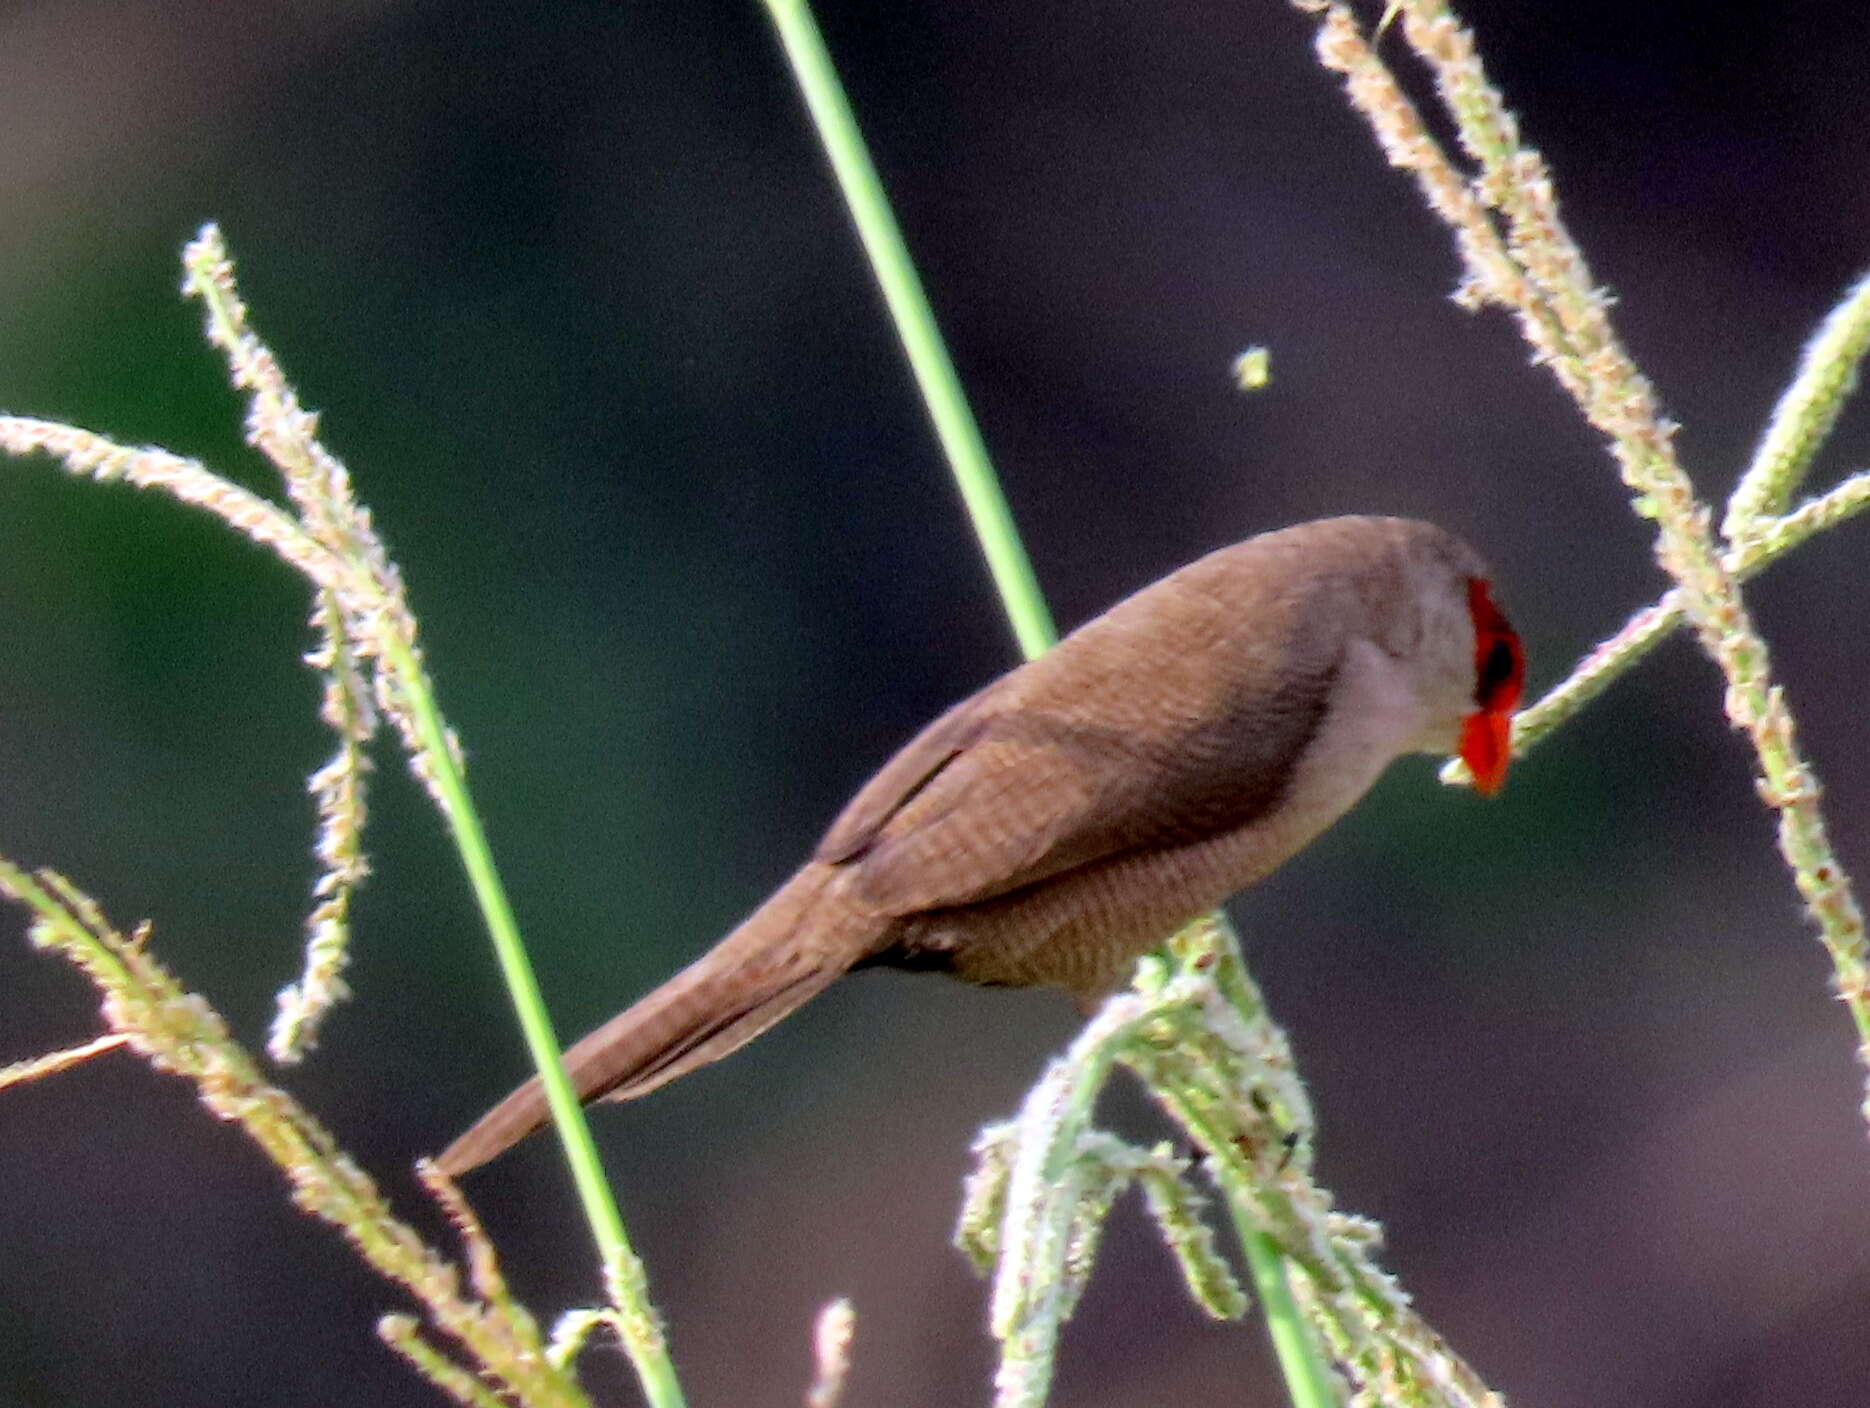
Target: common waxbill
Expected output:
[1078,810]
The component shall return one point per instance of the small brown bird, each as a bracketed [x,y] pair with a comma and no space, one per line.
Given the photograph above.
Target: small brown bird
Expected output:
[1073,814]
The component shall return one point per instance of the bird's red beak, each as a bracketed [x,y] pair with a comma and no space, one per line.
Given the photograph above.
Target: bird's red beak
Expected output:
[1499,676]
[1486,748]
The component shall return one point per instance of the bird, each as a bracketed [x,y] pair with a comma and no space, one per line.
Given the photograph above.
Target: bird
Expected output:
[1059,823]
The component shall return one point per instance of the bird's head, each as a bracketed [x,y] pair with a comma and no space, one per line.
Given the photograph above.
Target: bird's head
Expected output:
[1468,665]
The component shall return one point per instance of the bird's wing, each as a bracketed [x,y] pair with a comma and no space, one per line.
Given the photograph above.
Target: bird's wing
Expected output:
[916,763]
[992,815]
[1031,778]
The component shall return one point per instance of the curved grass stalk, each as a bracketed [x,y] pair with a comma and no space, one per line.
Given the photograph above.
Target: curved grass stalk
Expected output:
[1520,255]
[1803,417]
[365,625]
[180,1033]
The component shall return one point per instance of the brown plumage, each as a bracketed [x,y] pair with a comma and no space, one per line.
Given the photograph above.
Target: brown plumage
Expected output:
[1078,810]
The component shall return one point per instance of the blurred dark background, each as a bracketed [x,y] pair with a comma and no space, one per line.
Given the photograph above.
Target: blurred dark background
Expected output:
[584,316]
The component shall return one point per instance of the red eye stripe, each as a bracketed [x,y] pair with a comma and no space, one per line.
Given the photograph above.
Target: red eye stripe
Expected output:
[1499,675]
[1499,658]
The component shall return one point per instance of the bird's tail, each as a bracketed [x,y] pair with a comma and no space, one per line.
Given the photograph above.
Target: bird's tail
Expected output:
[787,952]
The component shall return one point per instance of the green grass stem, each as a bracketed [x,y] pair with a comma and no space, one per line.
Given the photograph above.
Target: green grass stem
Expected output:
[1308,1381]
[623,1273]
[915,323]
[974,475]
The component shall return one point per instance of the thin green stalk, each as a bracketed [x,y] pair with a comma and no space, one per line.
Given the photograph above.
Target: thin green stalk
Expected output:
[1803,417]
[909,308]
[319,485]
[623,1271]
[960,438]
[1307,1380]
[987,509]
[39,1067]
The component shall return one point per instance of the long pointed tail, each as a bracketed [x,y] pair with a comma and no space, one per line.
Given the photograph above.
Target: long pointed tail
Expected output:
[789,950]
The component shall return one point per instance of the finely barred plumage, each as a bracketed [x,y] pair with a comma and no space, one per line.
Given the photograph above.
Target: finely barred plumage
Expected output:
[1076,811]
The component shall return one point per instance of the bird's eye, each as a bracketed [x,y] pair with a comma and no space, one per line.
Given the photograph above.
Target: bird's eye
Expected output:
[1495,670]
